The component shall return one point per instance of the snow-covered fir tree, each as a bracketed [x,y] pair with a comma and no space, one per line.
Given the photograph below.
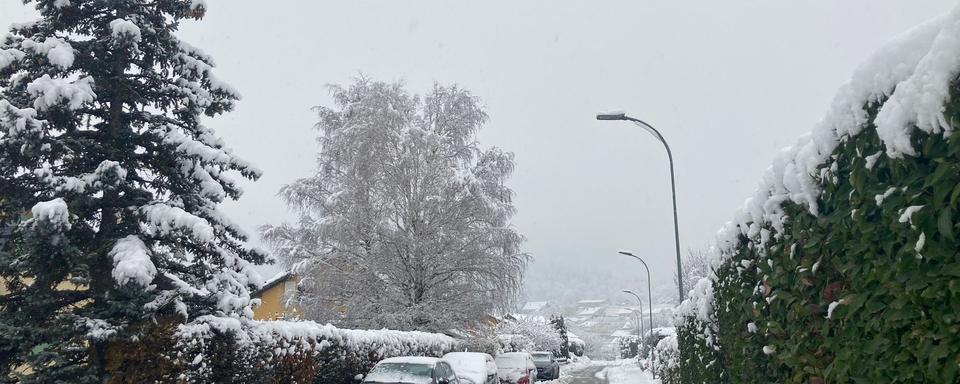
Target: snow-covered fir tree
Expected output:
[406,222]
[109,186]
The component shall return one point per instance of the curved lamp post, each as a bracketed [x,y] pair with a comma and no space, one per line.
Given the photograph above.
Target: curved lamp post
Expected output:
[639,313]
[639,310]
[652,348]
[673,183]
[649,290]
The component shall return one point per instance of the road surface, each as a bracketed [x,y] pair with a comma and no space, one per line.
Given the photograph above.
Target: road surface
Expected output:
[604,372]
[586,375]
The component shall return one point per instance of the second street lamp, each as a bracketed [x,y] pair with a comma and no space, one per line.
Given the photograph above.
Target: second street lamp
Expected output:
[673,183]
[639,313]
[649,287]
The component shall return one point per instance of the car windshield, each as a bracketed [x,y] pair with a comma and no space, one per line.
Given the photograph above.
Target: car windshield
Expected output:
[542,357]
[400,373]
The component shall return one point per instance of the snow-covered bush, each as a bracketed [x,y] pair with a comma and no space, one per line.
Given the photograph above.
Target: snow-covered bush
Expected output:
[667,363]
[844,265]
[629,346]
[577,346]
[225,350]
[528,334]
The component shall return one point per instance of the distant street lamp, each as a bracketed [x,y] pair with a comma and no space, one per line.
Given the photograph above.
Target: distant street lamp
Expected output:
[673,183]
[649,289]
[627,291]
[639,313]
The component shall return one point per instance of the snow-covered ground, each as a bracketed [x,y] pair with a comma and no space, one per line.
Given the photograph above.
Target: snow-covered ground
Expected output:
[626,372]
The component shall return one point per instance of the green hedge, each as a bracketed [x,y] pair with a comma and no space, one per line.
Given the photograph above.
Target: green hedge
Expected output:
[894,286]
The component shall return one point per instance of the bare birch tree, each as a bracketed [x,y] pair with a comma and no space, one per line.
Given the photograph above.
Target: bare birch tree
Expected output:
[406,223]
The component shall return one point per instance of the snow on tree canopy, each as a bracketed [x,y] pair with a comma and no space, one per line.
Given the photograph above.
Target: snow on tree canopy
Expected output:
[53,212]
[49,92]
[102,106]
[58,52]
[131,262]
[124,27]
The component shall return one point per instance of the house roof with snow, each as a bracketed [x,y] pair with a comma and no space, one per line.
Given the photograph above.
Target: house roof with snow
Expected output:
[592,302]
[589,311]
[535,306]
[274,281]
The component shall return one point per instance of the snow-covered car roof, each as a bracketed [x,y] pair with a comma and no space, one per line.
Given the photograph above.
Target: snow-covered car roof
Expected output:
[504,360]
[406,370]
[469,365]
[411,360]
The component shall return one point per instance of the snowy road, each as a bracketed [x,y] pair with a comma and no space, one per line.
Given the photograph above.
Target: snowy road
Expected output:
[604,372]
[588,375]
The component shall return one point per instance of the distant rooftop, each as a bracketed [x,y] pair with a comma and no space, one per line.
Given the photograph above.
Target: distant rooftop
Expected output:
[589,311]
[592,302]
[535,306]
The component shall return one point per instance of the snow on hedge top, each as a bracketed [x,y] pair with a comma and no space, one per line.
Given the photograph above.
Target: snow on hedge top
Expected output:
[913,72]
[287,335]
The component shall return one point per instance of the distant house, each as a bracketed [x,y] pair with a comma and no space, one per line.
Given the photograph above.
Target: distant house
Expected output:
[619,312]
[591,303]
[536,307]
[275,297]
[590,311]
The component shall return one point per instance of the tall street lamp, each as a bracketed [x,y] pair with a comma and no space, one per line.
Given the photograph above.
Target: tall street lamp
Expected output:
[673,183]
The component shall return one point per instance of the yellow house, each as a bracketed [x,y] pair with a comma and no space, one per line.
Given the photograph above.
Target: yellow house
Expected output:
[274,296]
[62,286]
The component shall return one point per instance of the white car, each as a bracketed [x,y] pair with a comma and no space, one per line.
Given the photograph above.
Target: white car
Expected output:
[516,368]
[473,367]
[411,370]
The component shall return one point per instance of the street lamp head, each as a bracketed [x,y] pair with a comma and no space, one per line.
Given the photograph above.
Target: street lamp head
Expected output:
[626,253]
[627,291]
[612,115]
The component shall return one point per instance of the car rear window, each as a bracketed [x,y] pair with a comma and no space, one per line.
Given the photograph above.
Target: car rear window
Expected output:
[542,357]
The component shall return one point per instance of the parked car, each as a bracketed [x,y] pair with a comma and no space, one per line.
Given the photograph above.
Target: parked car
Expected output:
[411,370]
[548,368]
[473,367]
[516,368]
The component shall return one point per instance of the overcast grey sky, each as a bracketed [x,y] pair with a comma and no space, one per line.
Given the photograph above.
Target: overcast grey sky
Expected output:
[729,83]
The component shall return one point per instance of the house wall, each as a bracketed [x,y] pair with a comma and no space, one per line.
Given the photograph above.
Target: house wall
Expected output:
[272,303]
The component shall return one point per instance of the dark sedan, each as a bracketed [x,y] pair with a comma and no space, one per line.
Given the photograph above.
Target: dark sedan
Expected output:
[547,367]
